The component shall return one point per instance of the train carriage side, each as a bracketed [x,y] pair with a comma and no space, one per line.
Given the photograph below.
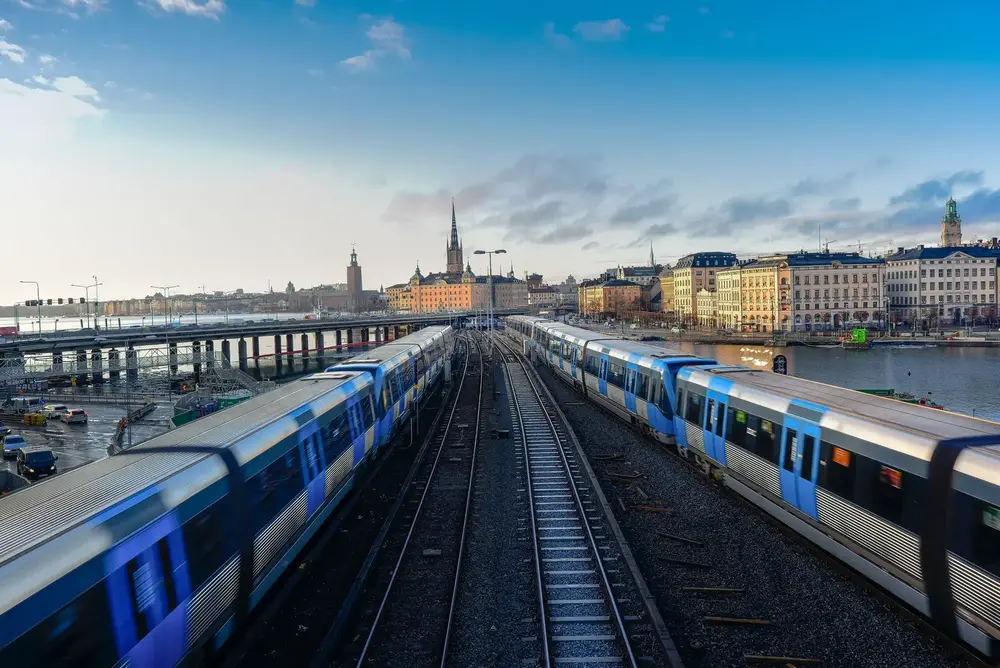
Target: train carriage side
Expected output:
[850,472]
[150,571]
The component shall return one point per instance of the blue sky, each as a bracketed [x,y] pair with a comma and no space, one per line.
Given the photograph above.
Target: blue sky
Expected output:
[227,143]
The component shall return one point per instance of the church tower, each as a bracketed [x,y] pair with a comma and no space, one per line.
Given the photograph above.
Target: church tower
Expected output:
[951,225]
[354,285]
[454,246]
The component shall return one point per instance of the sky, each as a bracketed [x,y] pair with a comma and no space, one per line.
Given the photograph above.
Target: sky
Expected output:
[232,144]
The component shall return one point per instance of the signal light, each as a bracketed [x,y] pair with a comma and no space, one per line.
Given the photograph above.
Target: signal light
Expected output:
[48,302]
[70,300]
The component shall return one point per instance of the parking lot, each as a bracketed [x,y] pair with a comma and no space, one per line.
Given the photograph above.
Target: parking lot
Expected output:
[80,444]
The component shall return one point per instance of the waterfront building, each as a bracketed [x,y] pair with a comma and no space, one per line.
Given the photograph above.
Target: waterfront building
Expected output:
[612,298]
[666,278]
[354,285]
[760,303]
[730,300]
[832,290]
[708,307]
[693,273]
[928,287]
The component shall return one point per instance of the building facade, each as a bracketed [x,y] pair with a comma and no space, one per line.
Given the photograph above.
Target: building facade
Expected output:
[693,273]
[836,290]
[760,310]
[354,284]
[929,287]
[454,247]
[612,298]
[667,305]
[951,225]
[730,300]
[708,309]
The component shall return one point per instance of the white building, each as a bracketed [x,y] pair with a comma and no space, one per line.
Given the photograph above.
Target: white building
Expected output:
[953,285]
[835,290]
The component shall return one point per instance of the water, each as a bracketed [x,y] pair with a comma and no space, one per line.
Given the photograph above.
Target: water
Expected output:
[28,323]
[960,379]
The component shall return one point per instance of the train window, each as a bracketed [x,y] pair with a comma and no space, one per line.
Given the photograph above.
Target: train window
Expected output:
[366,412]
[767,443]
[592,365]
[654,395]
[80,634]
[680,394]
[616,375]
[736,426]
[642,385]
[421,366]
[976,531]
[711,415]
[837,470]
[808,449]
[205,537]
[273,487]
[337,435]
[791,445]
[692,411]
[888,498]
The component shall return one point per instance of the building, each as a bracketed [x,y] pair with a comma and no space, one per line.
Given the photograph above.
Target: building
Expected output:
[533,280]
[928,287]
[543,296]
[833,290]
[568,293]
[454,247]
[666,278]
[760,310]
[693,273]
[508,292]
[730,300]
[951,225]
[354,285]
[708,308]
[611,298]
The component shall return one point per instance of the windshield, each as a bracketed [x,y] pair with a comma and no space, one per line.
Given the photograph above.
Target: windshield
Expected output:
[39,458]
[14,440]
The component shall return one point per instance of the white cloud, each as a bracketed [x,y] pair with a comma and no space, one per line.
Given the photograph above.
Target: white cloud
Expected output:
[75,86]
[5,25]
[46,59]
[39,79]
[65,6]
[387,38]
[659,23]
[33,118]
[207,8]
[557,38]
[601,31]
[11,52]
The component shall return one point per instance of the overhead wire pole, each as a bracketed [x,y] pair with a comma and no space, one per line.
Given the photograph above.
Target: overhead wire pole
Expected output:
[38,299]
[166,300]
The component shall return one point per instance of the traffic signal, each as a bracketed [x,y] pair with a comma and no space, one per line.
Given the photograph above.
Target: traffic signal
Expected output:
[60,300]
[30,302]
[48,302]
[70,300]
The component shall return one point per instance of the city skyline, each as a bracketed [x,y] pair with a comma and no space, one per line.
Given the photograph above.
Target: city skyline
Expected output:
[205,142]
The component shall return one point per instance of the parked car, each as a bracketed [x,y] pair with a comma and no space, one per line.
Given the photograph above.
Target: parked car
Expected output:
[33,462]
[75,416]
[11,444]
[4,430]
[54,411]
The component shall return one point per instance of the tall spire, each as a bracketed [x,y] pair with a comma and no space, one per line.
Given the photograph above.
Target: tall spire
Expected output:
[454,226]
[652,261]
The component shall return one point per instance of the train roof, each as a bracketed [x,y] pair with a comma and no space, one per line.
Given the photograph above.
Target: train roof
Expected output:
[422,335]
[929,422]
[389,351]
[626,346]
[36,513]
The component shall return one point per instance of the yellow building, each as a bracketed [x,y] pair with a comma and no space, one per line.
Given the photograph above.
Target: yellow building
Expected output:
[730,301]
[667,292]
[693,273]
[614,298]
[708,309]
[759,292]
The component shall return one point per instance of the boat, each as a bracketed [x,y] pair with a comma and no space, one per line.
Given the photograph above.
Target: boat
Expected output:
[905,397]
[858,340]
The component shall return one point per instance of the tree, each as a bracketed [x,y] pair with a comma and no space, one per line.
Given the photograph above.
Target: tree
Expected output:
[863,316]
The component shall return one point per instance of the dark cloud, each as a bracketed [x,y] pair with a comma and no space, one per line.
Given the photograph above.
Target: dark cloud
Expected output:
[539,215]
[590,245]
[936,190]
[654,201]
[564,234]
[982,206]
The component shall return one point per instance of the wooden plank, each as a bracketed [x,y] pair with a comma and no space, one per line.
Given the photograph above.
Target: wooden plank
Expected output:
[684,562]
[653,509]
[713,590]
[744,621]
[756,659]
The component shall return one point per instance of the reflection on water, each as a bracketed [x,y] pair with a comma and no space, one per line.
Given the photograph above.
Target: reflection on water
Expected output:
[961,379]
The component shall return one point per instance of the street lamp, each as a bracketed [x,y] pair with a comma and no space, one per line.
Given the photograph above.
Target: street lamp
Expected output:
[489,282]
[166,299]
[86,295]
[38,300]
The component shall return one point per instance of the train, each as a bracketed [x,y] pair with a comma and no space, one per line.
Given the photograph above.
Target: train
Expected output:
[906,496]
[156,556]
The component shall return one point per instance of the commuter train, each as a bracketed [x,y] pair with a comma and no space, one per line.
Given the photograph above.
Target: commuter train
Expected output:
[907,496]
[155,555]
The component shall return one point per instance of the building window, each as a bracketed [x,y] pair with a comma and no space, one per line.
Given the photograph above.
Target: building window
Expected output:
[923,273]
[854,278]
[923,300]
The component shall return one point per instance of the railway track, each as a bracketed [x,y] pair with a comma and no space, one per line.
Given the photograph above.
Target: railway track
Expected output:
[593,605]
[412,622]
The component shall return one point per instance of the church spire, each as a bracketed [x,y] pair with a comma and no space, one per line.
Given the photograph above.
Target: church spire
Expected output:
[652,261]
[454,250]
[454,226]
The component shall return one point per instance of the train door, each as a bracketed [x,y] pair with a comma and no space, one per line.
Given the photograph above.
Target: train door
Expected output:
[602,375]
[148,590]
[313,461]
[715,426]
[562,355]
[357,428]
[799,464]
[573,359]
[631,370]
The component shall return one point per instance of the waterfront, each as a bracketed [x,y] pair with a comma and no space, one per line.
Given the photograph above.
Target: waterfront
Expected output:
[26,323]
[961,379]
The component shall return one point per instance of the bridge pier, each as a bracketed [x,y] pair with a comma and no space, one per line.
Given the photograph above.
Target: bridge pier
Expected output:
[385,334]
[241,349]
[290,348]
[277,352]
[114,364]
[225,354]
[256,350]
[339,334]
[320,353]
[196,360]
[395,330]
[81,367]
[57,363]
[131,364]
[350,339]
[210,353]
[305,348]
[96,366]
[172,357]
[365,334]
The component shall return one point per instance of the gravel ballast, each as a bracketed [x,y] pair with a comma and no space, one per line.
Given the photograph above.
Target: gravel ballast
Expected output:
[718,540]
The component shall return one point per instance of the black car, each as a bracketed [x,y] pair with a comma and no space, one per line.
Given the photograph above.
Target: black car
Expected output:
[35,462]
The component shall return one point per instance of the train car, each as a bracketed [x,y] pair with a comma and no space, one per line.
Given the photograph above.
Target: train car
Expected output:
[631,379]
[396,369]
[154,555]
[882,485]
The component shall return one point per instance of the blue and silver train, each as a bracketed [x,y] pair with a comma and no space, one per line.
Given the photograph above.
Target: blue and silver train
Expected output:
[905,495]
[156,555]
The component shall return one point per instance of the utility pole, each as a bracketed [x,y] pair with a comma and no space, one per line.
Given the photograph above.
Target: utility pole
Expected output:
[166,299]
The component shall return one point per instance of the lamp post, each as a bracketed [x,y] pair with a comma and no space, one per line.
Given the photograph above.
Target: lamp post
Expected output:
[38,300]
[86,296]
[489,283]
[166,299]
